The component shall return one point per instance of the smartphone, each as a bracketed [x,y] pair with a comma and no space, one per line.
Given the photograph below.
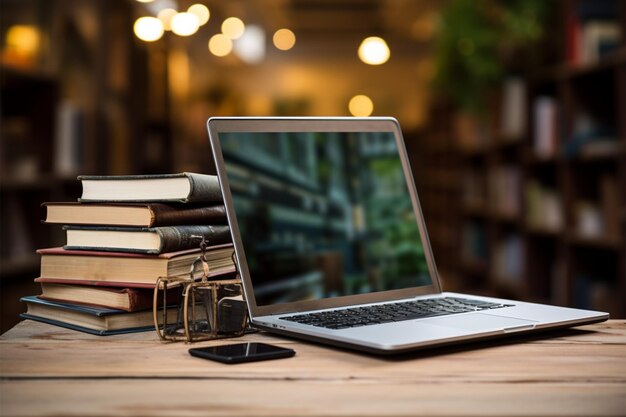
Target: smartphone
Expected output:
[242,352]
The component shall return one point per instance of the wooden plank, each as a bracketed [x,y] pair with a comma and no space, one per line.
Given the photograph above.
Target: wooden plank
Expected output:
[54,353]
[47,370]
[305,398]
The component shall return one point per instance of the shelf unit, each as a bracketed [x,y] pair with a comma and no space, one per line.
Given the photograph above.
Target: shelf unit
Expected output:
[435,164]
[557,232]
[79,105]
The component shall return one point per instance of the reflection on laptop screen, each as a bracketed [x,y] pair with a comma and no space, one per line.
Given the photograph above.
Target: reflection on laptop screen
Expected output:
[323,214]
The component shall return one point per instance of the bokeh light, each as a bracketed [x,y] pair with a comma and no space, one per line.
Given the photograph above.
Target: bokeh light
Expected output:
[284,39]
[148,29]
[233,27]
[201,12]
[165,16]
[361,106]
[185,24]
[374,51]
[220,45]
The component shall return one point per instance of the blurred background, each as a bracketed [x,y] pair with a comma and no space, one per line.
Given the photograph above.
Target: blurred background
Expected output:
[514,116]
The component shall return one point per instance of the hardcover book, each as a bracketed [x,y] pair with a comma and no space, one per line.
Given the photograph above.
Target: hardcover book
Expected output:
[119,269]
[152,240]
[94,320]
[186,187]
[133,214]
[127,299]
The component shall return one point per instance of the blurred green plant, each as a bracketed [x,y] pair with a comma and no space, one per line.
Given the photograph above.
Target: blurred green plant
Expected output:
[480,41]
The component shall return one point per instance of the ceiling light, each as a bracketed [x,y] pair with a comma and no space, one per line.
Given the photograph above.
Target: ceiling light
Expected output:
[220,45]
[374,51]
[250,47]
[23,39]
[185,24]
[361,106]
[233,27]
[165,16]
[201,12]
[148,28]
[284,39]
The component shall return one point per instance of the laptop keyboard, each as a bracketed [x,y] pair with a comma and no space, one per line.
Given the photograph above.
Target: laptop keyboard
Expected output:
[386,313]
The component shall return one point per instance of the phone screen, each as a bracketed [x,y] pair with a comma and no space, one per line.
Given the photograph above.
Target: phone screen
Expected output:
[242,352]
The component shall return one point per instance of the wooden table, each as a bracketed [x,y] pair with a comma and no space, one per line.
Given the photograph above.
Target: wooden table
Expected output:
[49,371]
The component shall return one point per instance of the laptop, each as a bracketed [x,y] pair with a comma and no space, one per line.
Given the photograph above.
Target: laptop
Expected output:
[331,243]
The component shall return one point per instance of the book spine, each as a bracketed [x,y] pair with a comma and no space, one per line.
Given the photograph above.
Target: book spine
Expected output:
[176,238]
[167,215]
[203,188]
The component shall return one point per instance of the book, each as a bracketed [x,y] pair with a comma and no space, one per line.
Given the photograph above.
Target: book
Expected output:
[513,118]
[546,126]
[185,187]
[119,269]
[151,240]
[94,320]
[127,299]
[599,38]
[133,214]
[68,139]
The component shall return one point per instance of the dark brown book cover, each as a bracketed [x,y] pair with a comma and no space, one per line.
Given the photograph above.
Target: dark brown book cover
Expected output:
[171,238]
[137,298]
[118,214]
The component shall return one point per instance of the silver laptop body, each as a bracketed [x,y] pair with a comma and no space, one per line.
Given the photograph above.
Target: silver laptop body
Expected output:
[325,216]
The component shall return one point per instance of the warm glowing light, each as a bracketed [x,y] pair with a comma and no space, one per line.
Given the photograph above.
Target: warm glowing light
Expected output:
[148,29]
[23,39]
[145,1]
[374,51]
[424,28]
[165,16]
[185,24]
[201,12]
[284,39]
[233,27]
[250,47]
[220,45]
[361,106]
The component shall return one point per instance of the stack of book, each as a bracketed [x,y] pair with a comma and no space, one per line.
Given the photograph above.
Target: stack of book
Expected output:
[122,235]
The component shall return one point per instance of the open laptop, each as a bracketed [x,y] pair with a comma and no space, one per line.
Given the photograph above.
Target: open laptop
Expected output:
[332,246]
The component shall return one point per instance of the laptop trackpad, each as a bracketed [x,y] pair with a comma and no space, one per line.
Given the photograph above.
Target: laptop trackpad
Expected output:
[481,321]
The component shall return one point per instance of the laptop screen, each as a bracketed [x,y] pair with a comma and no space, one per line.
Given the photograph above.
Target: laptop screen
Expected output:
[323,214]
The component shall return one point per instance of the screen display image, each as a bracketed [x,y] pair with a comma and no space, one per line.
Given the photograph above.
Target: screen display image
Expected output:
[323,214]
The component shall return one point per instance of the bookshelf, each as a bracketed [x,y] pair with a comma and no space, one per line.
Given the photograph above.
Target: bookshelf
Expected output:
[75,104]
[435,163]
[543,211]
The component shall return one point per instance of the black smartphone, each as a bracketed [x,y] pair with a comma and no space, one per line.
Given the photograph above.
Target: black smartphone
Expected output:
[242,352]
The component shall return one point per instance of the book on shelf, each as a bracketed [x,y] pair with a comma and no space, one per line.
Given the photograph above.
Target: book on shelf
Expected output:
[508,261]
[592,31]
[127,299]
[93,320]
[544,207]
[133,214]
[152,240]
[505,190]
[68,139]
[513,117]
[185,187]
[119,269]
[600,147]
[546,126]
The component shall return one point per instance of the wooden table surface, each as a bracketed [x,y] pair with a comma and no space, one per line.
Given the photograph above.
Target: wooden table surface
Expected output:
[50,371]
